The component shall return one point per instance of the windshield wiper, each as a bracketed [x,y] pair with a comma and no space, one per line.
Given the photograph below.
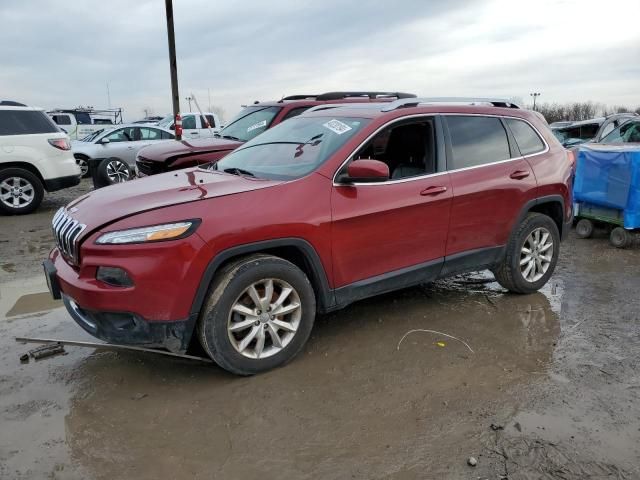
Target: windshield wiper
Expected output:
[238,171]
[231,137]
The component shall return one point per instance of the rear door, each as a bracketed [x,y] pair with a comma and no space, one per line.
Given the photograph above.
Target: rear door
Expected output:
[491,182]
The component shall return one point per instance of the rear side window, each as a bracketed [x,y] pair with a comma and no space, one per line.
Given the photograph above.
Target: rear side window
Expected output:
[526,137]
[83,118]
[189,122]
[24,122]
[212,121]
[62,119]
[476,141]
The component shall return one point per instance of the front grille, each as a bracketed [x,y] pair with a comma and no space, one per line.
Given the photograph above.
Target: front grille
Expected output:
[66,231]
[149,167]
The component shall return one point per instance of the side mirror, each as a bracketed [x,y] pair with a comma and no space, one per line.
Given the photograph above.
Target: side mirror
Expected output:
[105,140]
[365,171]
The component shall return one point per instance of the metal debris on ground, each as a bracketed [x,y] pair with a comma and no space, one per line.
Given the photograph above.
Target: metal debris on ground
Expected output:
[43,351]
[436,333]
[472,461]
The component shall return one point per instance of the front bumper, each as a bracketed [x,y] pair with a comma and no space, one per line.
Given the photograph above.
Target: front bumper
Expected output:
[123,328]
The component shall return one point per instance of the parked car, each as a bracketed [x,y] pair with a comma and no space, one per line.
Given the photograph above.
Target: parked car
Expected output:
[80,122]
[327,208]
[250,122]
[118,146]
[194,125]
[35,155]
[592,131]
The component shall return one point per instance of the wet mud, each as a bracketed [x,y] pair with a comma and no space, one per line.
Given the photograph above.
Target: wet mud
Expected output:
[548,387]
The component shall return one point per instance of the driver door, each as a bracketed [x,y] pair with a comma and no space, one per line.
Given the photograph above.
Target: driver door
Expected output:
[391,234]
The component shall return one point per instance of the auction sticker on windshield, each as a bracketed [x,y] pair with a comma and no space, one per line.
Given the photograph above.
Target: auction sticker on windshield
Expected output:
[336,126]
[261,124]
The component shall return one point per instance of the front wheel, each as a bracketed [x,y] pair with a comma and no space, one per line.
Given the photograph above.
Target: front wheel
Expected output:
[259,314]
[114,170]
[531,255]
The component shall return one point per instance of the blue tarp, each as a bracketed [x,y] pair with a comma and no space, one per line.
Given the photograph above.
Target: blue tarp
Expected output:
[609,176]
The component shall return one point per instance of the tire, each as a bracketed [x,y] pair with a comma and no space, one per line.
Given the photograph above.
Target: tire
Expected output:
[239,350]
[21,191]
[114,170]
[512,273]
[620,238]
[584,228]
[82,162]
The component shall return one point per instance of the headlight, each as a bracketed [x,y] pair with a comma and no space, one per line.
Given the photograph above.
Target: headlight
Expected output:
[155,233]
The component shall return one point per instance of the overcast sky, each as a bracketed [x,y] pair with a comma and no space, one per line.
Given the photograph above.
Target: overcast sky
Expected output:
[63,53]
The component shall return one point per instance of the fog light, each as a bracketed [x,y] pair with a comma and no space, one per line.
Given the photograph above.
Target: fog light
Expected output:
[114,276]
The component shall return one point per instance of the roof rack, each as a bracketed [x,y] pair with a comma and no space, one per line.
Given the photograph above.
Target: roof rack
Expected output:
[343,95]
[414,102]
[11,103]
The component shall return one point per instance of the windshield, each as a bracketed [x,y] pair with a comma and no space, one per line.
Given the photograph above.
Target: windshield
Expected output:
[92,136]
[292,149]
[166,122]
[628,132]
[249,123]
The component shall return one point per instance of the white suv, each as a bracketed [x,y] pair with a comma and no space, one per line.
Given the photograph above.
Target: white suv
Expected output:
[34,156]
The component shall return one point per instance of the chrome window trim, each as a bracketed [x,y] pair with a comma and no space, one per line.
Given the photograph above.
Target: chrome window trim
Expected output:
[420,177]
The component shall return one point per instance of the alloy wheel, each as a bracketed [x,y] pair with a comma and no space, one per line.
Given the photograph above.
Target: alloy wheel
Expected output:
[117,171]
[16,192]
[264,319]
[84,166]
[536,254]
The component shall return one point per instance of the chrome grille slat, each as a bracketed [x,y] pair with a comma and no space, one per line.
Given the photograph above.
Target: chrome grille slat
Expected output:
[66,232]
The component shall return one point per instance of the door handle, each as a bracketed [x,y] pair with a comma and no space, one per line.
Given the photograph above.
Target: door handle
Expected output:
[519,174]
[193,133]
[130,148]
[433,190]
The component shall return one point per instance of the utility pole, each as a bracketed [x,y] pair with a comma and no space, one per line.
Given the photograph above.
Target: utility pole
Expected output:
[108,96]
[209,94]
[535,95]
[173,66]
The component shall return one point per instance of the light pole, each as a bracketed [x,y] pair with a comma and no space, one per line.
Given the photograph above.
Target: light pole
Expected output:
[173,66]
[188,99]
[535,95]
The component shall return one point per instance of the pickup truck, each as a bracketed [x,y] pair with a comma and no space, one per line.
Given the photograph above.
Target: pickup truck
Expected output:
[194,125]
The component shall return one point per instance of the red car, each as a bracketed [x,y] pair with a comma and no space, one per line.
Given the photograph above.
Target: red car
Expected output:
[331,207]
[248,124]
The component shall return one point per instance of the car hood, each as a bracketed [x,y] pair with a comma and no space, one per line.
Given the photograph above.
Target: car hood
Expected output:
[109,204]
[163,151]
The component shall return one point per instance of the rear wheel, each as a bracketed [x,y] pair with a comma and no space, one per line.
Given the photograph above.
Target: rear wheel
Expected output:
[21,192]
[259,314]
[620,238]
[584,228]
[531,255]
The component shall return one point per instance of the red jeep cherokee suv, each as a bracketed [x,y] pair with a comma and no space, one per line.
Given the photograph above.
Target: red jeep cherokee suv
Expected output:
[248,124]
[336,205]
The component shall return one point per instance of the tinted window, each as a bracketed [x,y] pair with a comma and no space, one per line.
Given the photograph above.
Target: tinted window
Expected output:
[294,112]
[83,118]
[167,135]
[526,137]
[477,141]
[62,119]
[189,122]
[212,121]
[23,122]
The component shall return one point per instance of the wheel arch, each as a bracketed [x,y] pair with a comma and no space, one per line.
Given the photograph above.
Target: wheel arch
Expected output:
[295,250]
[25,166]
[551,205]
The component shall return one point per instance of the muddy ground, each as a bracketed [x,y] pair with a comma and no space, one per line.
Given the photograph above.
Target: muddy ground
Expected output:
[551,388]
